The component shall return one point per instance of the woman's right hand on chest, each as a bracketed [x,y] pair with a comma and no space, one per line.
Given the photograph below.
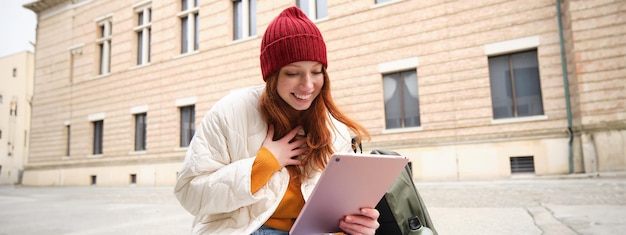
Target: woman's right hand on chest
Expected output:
[284,151]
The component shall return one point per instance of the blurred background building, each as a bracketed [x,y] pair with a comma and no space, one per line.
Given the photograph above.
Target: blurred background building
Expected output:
[465,89]
[16,92]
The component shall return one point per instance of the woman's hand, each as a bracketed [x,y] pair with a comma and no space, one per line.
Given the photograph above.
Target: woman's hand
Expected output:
[365,223]
[283,149]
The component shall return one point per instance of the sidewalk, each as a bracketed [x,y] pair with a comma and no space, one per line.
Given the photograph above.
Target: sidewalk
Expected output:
[574,204]
[568,205]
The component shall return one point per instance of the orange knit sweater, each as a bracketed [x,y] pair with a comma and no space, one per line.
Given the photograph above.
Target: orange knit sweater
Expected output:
[290,206]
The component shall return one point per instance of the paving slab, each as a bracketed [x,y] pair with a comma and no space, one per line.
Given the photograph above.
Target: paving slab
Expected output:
[482,221]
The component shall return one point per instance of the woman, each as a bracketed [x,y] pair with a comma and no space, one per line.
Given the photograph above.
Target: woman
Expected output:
[259,152]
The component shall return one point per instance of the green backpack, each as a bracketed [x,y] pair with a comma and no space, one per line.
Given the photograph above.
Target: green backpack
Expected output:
[402,210]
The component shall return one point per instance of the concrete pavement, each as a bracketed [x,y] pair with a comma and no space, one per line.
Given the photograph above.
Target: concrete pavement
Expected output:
[561,205]
[550,206]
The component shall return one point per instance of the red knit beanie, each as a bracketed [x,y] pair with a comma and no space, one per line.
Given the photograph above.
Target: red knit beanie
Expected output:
[289,38]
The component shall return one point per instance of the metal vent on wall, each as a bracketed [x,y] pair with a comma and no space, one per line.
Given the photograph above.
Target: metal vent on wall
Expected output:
[522,164]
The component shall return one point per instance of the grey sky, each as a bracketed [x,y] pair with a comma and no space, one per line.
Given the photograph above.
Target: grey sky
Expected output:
[18,27]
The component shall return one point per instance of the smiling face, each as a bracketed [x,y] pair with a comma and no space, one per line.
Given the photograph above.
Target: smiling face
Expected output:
[299,83]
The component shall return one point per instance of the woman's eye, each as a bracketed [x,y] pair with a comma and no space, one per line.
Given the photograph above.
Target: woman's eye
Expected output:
[317,72]
[291,74]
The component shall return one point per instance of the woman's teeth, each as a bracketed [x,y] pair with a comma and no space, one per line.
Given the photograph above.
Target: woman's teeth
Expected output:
[302,97]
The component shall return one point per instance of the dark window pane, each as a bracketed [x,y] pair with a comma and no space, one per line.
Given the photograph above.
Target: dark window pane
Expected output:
[527,87]
[140,18]
[149,42]
[196,31]
[393,100]
[410,99]
[500,79]
[183,41]
[97,137]
[184,5]
[187,125]
[67,140]
[102,65]
[140,132]
[139,46]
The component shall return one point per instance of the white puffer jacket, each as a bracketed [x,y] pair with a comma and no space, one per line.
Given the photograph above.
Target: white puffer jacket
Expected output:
[214,181]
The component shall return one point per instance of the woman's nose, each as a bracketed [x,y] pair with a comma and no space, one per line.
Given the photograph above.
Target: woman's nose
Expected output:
[307,81]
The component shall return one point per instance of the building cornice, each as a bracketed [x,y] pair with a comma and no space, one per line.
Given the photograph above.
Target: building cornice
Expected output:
[42,5]
[48,8]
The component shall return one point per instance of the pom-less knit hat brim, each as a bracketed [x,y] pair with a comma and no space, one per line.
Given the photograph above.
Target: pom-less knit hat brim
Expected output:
[289,38]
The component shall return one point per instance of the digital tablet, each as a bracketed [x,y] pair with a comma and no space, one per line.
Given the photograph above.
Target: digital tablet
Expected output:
[349,182]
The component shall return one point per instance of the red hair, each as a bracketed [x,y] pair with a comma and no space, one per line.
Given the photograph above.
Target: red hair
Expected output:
[315,121]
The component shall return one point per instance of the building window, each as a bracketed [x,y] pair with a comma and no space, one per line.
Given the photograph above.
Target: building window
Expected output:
[140,131]
[143,30]
[515,85]
[401,99]
[315,9]
[13,107]
[133,178]
[187,124]
[244,22]
[67,140]
[189,26]
[97,136]
[383,1]
[14,72]
[94,179]
[104,46]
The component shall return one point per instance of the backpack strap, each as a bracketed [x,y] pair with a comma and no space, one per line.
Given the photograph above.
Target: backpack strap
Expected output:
[356,143]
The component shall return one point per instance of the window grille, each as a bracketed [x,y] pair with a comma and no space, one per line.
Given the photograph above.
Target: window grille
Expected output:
[522,164]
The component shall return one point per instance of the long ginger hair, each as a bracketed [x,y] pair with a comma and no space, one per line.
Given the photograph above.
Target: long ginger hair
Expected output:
[315,122]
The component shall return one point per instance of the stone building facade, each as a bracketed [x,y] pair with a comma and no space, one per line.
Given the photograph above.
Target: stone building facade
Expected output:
[16,91]
[465,89]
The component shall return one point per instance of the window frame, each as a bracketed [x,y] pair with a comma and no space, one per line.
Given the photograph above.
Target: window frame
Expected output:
[189,25]
[400,82]
[68,135]
[141,127]
[515,114]
[98,137]
[244,19]
[103,42]
[399,65]
[311,8]
[384,2]
[143,32]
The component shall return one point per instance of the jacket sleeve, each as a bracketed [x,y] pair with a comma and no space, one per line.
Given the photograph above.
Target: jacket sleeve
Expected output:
[209,182]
